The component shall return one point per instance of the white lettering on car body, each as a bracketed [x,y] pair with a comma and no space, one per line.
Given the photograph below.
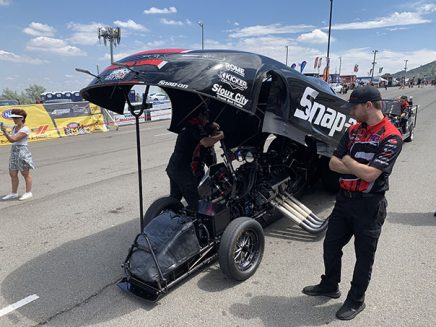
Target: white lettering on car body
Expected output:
[318,114]
[236,99]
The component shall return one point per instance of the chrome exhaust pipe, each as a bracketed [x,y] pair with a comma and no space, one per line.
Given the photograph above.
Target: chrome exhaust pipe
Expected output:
[300,214]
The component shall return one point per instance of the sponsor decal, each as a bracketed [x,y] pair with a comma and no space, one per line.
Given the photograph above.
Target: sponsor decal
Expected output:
[235,69]
[117,74]
[235,82]
[40,130]
[173,84]
[74,129]
[318,114]
[233,98]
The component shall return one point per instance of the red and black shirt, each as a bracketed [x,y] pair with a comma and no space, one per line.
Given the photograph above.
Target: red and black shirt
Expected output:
[378,146]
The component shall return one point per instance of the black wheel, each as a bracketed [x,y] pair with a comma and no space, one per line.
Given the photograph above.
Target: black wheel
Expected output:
[160,205]
[241,248]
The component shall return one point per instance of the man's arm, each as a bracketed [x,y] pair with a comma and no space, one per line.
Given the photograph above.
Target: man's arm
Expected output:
[338,166]
[211,140]
[365,172]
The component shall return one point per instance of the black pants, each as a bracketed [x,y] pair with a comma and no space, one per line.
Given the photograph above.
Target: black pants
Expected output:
[363,218]
[184,184]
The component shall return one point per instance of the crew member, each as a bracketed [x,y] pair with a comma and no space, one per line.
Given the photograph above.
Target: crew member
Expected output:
[364,159]
[186,166]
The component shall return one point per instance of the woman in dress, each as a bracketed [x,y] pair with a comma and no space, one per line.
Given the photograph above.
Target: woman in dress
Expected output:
[21,158]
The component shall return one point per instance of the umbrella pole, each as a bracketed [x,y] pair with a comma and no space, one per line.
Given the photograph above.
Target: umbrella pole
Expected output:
[137,114]
[138,153]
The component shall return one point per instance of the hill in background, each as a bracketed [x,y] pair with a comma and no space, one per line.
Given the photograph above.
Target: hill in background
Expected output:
[427,71]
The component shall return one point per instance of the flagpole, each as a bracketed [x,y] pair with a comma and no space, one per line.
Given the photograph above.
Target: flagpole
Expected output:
[328,43]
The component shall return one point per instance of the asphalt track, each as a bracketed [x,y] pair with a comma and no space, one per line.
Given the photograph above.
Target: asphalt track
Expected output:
[65,246]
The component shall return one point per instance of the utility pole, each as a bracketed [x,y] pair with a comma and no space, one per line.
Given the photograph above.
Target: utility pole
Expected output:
[373,64]
[405,66]
[340,66]
[202,34]
[327,67]
[287,50]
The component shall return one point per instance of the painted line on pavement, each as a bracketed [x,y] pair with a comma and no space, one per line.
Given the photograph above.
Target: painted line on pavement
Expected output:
[18,304]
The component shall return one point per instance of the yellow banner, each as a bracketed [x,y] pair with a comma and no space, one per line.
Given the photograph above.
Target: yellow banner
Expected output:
[38,120]
[80,125]
[56,120]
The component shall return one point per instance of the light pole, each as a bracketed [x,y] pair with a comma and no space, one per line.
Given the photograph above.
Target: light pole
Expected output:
[405,66]
[327,67]
[111,34]
[287,51]
[373,64]
[202,34]
[340,66]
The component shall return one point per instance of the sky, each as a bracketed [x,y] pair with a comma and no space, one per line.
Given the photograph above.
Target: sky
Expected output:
[43,41]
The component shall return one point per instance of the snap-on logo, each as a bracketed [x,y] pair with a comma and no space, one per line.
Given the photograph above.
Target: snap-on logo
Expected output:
[318,114]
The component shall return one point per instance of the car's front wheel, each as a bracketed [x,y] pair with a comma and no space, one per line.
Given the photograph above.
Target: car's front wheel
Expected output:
[241,248]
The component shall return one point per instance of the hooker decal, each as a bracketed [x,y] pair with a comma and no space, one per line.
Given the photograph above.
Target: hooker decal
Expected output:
[318,114]
[117,74]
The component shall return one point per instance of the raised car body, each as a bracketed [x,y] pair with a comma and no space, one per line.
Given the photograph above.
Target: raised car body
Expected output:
[251,97]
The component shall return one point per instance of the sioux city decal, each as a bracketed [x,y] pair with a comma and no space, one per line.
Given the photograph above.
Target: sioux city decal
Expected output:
[318,114]
[233,98]
[235,82]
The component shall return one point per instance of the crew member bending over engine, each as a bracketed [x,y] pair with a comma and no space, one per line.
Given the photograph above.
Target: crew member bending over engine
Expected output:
[194,147]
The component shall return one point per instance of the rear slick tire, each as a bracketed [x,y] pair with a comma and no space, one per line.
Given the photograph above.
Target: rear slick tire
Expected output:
[160,205]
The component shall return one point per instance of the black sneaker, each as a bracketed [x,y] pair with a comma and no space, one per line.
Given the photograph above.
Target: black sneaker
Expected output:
[349,310]
[319,290]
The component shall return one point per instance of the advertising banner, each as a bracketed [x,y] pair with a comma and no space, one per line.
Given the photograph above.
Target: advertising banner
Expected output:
[160,110]
[48,121]
[38,120]
[76,118]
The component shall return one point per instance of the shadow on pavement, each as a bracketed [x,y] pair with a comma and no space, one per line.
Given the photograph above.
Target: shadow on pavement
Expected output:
[287,311]
[73,274]
[413,218]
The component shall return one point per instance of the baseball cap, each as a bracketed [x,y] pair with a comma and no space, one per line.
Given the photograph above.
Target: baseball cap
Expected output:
[363,94]
[15,116]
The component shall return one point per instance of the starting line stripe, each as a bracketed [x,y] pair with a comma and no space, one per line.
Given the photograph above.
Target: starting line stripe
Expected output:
[18,304]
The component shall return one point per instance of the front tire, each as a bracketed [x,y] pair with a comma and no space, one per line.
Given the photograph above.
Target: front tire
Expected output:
[241,248]
[160,205]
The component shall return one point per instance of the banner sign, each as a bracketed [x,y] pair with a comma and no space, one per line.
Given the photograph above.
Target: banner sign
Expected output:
[160,110]
[48,121]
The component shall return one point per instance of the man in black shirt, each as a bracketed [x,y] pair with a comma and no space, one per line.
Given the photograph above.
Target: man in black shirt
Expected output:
[364,159]
[185,166]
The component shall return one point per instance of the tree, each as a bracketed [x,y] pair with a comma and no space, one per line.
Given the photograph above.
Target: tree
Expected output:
[8,94]
[34,92]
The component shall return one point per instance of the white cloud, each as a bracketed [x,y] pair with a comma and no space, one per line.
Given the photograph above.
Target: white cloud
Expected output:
[84,34]
[259,30]
[316,37]
[39,29]
[426,8]
[52,45]
[154,10]
[5,2]
[396,19]
[12,57]
[174,22]
[130,24]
